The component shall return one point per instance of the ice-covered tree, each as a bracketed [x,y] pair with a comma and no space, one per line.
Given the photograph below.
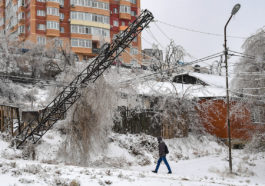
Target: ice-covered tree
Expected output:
[249,81]
[174,55]
[19,58]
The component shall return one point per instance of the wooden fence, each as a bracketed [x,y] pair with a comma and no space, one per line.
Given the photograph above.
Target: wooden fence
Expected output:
[11,122]
[9,119]
[150,122]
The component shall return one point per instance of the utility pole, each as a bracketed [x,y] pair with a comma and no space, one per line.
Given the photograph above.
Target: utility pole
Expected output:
[234,11]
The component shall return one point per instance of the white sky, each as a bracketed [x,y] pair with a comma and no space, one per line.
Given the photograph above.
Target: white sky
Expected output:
[206,16]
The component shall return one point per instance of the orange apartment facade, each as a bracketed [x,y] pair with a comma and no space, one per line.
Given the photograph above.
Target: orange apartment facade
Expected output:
[83,25]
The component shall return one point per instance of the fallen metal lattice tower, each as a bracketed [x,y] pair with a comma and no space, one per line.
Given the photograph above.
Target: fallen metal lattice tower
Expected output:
[64,100]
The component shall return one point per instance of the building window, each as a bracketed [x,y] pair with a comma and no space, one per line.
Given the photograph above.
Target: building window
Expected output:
[41,27]
[115,23]
[52,25]
[28,15]
[1,21]
[42,1]
[94,4]
[80,29]
[131,1]
[57,1]
[115,10]
[21,15]
[125,9]
[123,23]
[52,11]
[21,2]
[61,2]
[100,32]
[91,3]
[84,43]
[29,28]
[134,51]
[84,16]
[41,40]
[62,16]
[62,29]
[40,13]
[21,29]
[133,13]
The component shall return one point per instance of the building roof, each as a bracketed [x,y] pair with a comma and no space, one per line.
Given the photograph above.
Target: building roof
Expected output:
[214,86]
[209,79]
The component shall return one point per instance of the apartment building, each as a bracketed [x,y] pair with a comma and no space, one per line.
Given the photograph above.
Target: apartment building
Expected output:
[123,12]
[83,25]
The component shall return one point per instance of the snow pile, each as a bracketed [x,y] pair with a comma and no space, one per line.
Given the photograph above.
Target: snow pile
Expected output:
[125,150]
[144,147]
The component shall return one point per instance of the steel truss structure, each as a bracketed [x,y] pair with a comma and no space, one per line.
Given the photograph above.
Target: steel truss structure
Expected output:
[70,94]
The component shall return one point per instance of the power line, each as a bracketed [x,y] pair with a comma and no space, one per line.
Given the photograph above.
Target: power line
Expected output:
[197,31]
[147,41]
[151,44]
[258,88]
[162,31]
[248,74]
[241,56]
[185,64]
[246,94]
[152,35]
[247,78]
[241,53]
[133,57]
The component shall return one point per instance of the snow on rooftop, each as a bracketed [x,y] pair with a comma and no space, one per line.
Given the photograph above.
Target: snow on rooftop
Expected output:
[188,90]
[210,79]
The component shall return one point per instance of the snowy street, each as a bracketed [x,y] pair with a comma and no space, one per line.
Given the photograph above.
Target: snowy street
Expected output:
[200,171]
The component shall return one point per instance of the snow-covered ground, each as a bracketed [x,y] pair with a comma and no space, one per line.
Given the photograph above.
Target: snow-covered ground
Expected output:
[129,159]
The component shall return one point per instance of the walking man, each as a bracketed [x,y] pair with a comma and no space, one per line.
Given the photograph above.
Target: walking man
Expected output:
[163,150]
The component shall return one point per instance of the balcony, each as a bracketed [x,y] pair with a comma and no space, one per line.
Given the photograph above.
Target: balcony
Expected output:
[52,32]
[125,16]
[21,21]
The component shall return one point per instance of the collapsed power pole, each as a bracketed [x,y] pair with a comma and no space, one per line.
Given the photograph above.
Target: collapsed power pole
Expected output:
[64,100]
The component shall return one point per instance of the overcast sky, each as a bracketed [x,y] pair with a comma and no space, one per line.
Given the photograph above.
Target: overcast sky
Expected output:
[206,16]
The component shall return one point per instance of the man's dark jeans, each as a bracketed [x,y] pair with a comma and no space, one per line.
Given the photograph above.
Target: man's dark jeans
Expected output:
[165,161]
